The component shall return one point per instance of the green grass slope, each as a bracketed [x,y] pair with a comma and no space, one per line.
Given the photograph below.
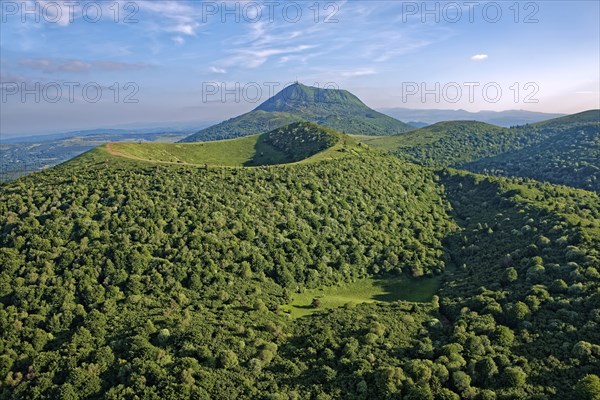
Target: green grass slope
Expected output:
[336,109]
[291,143]
[368,290]
[246,151]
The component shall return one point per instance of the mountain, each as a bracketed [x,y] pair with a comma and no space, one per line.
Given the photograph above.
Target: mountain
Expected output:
[292,143]
[352,274]
[564,150]
[506,118]
[335,109]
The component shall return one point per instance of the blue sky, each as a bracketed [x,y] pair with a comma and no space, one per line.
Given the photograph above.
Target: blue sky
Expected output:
[173,58]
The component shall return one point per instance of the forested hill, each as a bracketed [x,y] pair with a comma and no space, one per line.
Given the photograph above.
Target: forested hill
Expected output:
[336,109]
[124,278]
[564,150]
[569,156]
[582,118]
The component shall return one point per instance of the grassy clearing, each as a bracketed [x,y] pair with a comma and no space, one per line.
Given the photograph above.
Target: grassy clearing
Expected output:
[246,151]
[249,151]
[390,143]
[364,291]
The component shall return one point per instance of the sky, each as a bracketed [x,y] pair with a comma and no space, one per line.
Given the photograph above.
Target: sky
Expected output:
[69,65]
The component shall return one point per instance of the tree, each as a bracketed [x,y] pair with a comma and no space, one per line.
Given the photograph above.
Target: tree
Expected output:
[510,275]
[316,303]
[419,392]
[486,369]
[588,388]
[583,349]
[461,380]
[228,359]
[435,302]
[517,312]
[504,336]
[514,377]
[6,364]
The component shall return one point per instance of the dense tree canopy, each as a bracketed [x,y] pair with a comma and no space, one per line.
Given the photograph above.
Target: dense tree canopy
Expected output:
[563,151]
[122,279]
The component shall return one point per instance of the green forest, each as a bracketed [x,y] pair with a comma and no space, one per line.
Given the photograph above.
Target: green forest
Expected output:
[563,151]
[126,279]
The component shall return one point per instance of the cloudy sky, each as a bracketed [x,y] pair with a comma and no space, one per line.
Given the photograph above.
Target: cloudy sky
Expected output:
[111,63]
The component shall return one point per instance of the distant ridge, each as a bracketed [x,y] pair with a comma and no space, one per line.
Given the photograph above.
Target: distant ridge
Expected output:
[335,109]
[508,118]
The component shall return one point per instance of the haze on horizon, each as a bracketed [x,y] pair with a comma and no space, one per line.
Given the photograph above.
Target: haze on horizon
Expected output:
[174,61]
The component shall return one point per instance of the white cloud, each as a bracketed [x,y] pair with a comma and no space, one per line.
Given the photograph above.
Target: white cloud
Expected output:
[52,65]
[255,57]
[217,70]
[479,57]
[185,28]
[176,17]
[359,72]
[178,40]
[262,42]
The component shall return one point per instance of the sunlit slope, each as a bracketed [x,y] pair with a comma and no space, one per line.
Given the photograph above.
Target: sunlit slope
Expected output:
[564,150]
[247,151]
[471,134]
[579,118]
[292,143]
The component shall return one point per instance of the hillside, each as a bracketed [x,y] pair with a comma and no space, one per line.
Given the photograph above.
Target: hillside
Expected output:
[432,134]
[335,109]
[563,150]
[505,119]
[22,156]
[291,143]
[582,118]
[126,278]
[571,157]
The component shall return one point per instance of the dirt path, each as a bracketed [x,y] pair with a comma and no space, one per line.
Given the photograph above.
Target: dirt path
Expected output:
[112,152]
[117,153]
